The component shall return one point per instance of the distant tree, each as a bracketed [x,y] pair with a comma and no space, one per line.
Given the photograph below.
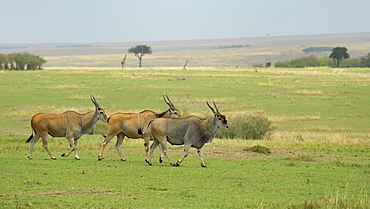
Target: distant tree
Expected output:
[35,62]
[268,64]
[2,61]
[21,61]
[338,54]
[365,60]
[140,51]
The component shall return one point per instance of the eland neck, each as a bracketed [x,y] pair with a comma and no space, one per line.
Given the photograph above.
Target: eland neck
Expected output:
[89,119]
[210,125]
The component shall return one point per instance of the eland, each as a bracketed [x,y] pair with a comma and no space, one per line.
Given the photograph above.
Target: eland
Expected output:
[191,131]
[69,124]
[131,125]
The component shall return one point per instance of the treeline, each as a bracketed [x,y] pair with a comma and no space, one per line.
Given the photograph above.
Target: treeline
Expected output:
[313,61]
[21,61]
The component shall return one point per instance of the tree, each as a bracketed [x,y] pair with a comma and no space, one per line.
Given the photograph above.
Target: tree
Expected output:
[21,61]
[365,60]
[140,51]
[338,54]
[2,61]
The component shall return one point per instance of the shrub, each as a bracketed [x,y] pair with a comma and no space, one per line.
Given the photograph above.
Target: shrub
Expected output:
[282,64]
[326,62]
[244,126]
[310,61]
[351,62]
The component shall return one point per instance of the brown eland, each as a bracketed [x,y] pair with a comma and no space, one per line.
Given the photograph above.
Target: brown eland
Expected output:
[191,131]
[69,124]
[131,126]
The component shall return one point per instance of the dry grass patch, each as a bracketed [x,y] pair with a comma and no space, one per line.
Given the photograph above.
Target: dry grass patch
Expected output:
[307,92]
[223,100]
[313,141]
[285,118]
[66,87]
[84,97]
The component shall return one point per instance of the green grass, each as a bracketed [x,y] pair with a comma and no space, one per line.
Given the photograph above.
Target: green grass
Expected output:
[319,150]
[233,179]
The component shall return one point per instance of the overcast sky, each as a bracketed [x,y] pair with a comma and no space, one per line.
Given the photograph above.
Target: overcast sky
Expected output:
[90,21]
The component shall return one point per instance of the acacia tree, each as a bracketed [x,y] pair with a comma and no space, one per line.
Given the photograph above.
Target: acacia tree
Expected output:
[338,54]
[140,51]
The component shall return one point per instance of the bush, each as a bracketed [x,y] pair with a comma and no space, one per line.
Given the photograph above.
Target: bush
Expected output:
[310,61]
[351,62]
[244,126]
[365,60]
[282,64]
[326,62]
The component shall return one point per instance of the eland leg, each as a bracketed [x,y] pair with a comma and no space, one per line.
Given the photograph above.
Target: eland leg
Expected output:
[165,152]
[160,157]
[34,139]
[105,142]
[186,153]
[147,138]
[201,158]
[76,155]
[46,145]
[152,148]
[73,147]
[120,138]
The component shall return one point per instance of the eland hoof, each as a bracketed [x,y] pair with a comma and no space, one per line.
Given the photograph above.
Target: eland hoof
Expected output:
[149,163]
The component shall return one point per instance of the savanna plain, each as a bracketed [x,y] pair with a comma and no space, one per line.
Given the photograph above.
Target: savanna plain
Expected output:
[319,149]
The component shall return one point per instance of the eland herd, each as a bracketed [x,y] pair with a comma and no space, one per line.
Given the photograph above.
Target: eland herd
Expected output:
[161,128]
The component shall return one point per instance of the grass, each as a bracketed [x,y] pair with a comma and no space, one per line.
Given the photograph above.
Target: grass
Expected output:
[319,150]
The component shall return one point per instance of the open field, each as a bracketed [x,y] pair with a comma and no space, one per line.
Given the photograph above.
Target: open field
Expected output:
[200,53]
[320,149]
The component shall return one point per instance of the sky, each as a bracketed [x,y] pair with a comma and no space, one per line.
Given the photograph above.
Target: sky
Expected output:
[93,21]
